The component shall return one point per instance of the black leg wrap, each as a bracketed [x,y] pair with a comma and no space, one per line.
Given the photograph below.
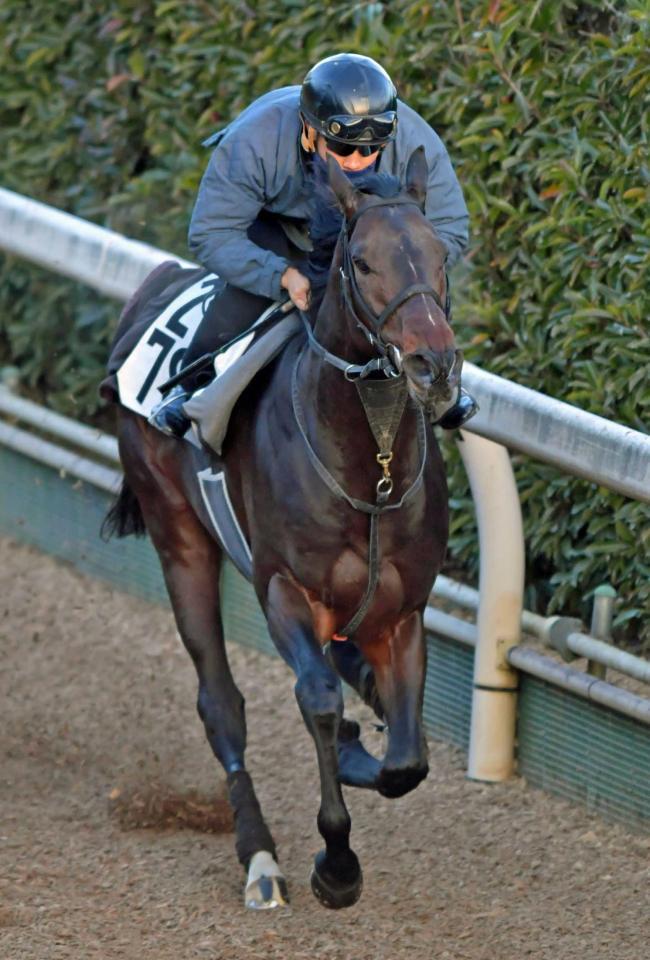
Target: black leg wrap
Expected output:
[253,834]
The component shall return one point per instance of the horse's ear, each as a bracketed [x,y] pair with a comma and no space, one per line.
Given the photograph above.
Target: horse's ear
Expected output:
[346,195]
[417,174]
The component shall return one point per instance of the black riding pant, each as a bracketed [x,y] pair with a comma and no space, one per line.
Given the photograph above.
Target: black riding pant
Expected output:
[234,310]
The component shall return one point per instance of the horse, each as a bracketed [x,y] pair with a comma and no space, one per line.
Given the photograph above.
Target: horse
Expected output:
[338,485]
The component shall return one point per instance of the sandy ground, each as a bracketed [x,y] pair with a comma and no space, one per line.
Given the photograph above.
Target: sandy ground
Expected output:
[112,841]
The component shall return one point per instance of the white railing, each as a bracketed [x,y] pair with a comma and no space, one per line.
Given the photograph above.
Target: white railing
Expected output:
[521,419]
[511,416]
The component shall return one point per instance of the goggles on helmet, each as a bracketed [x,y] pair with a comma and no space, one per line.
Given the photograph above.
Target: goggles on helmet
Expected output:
[374,130]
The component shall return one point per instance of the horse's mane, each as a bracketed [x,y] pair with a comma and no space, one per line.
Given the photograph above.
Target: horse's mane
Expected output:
[326,219]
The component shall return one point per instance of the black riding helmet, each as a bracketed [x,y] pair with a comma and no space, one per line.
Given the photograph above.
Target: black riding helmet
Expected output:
[350,99]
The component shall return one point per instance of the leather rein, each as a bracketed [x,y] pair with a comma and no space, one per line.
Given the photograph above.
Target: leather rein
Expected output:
[383,419]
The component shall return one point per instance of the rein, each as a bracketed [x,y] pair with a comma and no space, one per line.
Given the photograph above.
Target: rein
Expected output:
[383,401]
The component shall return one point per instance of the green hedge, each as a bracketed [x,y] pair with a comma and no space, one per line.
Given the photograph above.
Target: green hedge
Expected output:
[544,108]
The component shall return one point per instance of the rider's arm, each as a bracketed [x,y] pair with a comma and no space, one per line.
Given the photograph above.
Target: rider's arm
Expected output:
[231,195]
[445,206]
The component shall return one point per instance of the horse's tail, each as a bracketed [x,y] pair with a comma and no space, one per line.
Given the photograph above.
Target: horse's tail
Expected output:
[125,516]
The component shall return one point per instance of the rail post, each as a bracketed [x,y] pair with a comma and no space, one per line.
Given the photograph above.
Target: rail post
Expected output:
[501,586]
[601,624]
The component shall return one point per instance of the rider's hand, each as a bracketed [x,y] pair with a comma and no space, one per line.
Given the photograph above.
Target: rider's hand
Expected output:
[297,286]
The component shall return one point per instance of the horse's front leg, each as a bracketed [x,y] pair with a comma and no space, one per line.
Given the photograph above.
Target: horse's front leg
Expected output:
[398,660]
[336,879]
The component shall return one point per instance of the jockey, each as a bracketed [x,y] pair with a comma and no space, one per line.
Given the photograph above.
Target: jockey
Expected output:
[254,202]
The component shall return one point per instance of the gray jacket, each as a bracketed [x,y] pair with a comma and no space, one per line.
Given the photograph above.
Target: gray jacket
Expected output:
[258,164]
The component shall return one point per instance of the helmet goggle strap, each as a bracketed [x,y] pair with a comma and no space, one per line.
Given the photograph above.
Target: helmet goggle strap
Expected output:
[308,137]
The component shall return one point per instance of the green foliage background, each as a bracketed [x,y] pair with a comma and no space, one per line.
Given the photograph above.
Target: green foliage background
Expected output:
[544,108]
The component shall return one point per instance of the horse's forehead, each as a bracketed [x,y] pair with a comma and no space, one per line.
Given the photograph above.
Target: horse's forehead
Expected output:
[387,223]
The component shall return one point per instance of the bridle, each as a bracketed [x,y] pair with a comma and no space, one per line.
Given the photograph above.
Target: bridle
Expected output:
[353,297]
[388,360]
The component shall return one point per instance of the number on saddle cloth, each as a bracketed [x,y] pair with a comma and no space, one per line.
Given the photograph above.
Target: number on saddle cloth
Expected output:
[156,328]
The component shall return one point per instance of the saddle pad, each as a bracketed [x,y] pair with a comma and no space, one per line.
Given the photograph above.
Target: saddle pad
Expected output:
[158,354]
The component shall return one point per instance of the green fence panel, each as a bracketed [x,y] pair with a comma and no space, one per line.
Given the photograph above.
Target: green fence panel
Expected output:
[448,692]
[585,752]
[62,515]
[243,620]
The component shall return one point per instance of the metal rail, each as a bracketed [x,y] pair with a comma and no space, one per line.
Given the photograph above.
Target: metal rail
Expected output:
[75,248]
[61,460]
[521,419]
[561,633]
[447,625]
[544,668]
[582,684]
[468,597]
[582,645]
[55,424]
[578,442]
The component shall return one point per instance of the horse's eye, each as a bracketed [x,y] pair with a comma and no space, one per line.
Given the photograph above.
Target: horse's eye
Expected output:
[361,265]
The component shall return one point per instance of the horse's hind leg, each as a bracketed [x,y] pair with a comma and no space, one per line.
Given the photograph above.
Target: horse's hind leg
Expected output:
[191,562]
[336,878]
[193,587]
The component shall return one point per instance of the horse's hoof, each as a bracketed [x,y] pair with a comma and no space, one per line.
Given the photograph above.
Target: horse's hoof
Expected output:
[331,891]
[393,783]
[266,888]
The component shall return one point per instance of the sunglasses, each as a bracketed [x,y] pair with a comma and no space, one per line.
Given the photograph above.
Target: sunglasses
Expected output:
[347,149]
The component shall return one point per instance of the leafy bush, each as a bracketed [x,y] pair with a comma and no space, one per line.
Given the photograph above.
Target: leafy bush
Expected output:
[544,109]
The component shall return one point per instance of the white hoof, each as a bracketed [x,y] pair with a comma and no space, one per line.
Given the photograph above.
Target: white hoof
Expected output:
[266,888]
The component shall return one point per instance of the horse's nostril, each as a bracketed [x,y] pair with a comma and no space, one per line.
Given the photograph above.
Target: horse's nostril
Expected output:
[429,366]
[419,367]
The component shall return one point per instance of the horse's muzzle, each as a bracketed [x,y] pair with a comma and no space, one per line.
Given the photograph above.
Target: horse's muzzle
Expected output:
[434,379]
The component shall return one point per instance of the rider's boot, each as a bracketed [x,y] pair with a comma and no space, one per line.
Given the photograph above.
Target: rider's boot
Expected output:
[168,417]
[464,408]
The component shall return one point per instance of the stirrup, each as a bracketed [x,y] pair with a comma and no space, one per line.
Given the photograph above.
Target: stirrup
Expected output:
[464,408]
[168,416]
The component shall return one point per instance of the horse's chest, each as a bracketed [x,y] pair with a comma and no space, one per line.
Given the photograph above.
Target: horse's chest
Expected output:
[335,574]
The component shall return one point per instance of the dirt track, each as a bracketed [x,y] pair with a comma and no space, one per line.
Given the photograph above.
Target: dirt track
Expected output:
[103,762]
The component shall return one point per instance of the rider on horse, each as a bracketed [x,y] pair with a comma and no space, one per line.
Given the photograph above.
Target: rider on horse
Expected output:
[249,224]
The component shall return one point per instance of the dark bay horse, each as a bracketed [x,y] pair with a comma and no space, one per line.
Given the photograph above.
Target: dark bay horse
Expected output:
[346,541]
